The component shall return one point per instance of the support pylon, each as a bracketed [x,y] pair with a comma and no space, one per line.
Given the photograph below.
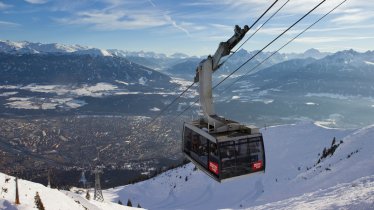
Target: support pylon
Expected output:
[98,195]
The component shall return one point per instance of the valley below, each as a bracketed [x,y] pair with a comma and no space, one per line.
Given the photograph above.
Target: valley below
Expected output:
[70,145]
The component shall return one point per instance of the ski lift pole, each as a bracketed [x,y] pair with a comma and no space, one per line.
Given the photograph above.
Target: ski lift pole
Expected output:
[17,194]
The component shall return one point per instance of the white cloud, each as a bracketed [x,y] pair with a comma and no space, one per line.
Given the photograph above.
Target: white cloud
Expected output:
[342,28]
[36,1]
[122,15]
[222,27]
[151,2]
[4,6]
[8,24]
[175,25]
[329,39]
[353,18]
[116,20]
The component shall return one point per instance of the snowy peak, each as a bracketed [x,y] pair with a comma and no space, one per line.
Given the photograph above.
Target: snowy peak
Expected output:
[314,53]
[141,54]
[25,47]
[179,55]
[352,59]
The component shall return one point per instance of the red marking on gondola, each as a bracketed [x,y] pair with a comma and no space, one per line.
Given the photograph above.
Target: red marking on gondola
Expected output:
[256,165]
[213,167]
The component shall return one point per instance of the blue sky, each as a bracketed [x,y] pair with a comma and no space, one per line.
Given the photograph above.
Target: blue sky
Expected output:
[193,27]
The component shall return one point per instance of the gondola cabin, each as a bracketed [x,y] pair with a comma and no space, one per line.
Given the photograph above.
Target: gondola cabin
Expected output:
[220,147]
[224,155]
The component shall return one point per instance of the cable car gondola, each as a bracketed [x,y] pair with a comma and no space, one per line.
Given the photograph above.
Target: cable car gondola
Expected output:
[221,148]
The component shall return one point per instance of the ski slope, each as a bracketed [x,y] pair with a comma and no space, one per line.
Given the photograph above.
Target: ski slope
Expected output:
[52,199]
[292,179]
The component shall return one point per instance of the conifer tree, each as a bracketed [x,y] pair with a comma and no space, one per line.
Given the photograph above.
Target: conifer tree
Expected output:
[88,197]
[129,203]
[333,141]
[120,202]
[38,202]
[139,206]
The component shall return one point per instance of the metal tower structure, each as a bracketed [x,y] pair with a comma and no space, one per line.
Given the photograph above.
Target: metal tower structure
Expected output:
[98,195]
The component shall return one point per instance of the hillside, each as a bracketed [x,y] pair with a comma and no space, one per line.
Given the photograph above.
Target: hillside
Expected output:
[51,198]
[74,69]
[292,178]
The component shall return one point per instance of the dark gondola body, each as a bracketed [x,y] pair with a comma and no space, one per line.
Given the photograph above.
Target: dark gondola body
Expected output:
[224,155]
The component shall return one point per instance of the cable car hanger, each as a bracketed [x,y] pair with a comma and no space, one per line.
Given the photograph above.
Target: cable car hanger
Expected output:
[204,73]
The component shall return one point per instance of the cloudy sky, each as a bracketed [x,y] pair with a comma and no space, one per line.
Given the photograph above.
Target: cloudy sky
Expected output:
[194,27]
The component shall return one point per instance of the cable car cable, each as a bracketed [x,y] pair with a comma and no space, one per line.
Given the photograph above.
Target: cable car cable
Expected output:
[180,95]
[291,40]
[258,19]
[266,47]
[170,104]
[262,25]
[323,1]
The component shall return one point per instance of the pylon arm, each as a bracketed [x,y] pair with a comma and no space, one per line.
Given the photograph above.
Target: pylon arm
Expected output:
[204,76]
[224,49]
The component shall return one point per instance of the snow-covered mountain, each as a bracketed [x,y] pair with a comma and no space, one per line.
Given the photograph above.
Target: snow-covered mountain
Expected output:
[73,69]
[25,47]
[311,53]
[297,176]
[58,82]
[142,54]
[345,72]
[51,198]
[186,67]
[158,61]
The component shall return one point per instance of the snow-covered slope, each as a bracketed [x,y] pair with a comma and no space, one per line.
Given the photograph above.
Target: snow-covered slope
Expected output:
[358,194]
[293,179]
[52,199]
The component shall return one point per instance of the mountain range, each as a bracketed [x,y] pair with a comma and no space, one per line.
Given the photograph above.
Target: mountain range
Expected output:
[158,61]
[345,72]
[33,76]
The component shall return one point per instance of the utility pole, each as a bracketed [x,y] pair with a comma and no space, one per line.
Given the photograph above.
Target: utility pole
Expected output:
[49,178]
[98,195]
[83,179]
[17,195]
